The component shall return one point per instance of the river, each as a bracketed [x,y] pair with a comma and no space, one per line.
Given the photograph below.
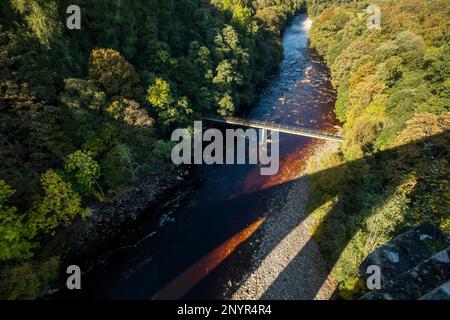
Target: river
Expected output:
[201,246]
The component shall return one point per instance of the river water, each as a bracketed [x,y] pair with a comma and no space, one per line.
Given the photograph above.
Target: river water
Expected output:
[206,244]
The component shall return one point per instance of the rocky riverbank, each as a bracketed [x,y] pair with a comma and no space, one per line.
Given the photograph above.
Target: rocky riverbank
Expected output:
[288,263]
[110,218]
[87,240]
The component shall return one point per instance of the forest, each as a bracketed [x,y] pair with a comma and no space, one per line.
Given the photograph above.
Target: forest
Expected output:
[393,98]
[86,113]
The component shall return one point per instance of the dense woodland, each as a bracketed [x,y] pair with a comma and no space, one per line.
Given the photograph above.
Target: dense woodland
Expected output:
[85,113]
[393,88]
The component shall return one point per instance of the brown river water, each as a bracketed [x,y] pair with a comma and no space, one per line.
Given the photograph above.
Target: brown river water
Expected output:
[197,249]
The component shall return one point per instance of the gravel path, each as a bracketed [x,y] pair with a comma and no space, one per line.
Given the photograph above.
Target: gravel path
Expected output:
[288,263]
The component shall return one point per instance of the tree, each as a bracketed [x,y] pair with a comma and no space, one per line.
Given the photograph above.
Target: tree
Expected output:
[361,136]
[28,280]
[385,81]
[385,51]
[411,47]
[196,69]
[390,71]
[437,64]
[85,169]
[425,141]
[15,235]
[120,166]
[50,108]
[242,18]
[31,137]
[58,206]
[226,105]
[130,113]
[20,282]
[159,94]
[116,76]
[225,74]
[82,94]
[157,59]
[169,110]
[423,126]
[41,17]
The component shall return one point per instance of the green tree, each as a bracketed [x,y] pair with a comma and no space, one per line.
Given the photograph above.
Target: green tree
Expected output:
[59,205]
[163,150]
[159,94]
[226,74]
[411,47]
[41,17]
[169,110]
[15,235]
[85,169]
[390,71]
[28,280]
[120,166]
[63,91]
[437,64]
[226,105]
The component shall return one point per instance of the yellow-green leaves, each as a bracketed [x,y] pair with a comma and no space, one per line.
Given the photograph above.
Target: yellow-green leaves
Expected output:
[169,110]
[14,234]
[159,94]
[59,205]
[85,169]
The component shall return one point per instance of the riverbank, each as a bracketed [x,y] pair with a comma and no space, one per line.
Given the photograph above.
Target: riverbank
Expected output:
[114,225]
[288,263]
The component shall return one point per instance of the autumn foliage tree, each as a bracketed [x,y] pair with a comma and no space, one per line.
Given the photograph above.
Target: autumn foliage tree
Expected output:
[111,72]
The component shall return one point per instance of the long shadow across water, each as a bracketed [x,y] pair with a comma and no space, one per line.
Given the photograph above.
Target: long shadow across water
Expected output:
[383,171]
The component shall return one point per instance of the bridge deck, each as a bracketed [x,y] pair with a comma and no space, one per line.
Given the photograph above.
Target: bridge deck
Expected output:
[295,130]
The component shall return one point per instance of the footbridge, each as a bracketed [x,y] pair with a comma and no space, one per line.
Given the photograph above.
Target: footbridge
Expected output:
[272,126]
